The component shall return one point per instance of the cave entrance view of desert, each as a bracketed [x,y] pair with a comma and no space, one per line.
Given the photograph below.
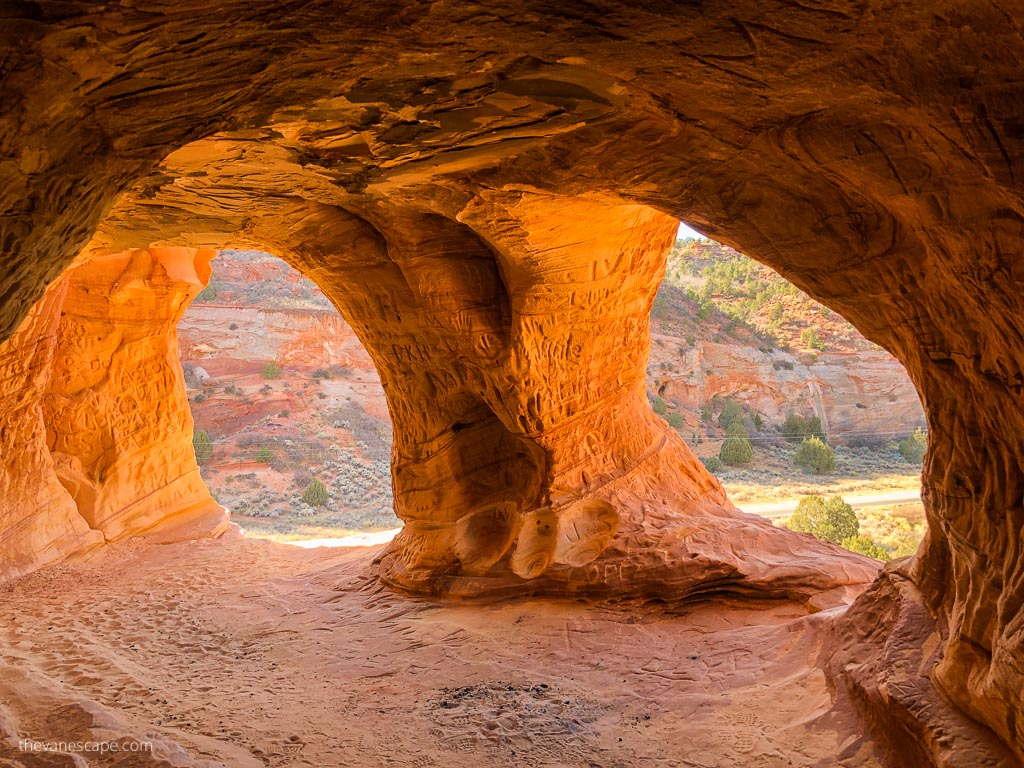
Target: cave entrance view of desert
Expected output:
[291,425]
[632,498]
[293,436]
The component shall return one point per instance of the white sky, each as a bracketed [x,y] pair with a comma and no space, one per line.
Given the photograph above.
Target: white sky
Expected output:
[685,231]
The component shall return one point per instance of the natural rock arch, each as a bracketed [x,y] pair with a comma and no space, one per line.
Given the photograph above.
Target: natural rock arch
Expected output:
[871,154]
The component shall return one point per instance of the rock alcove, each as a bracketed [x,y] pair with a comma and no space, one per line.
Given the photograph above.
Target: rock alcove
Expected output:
[487,196]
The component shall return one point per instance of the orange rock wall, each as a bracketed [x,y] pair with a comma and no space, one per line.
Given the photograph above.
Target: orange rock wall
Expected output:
[39,520]
[95,426]
[511,337]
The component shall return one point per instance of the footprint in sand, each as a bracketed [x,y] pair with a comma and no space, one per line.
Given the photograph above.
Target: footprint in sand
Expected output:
[744,729]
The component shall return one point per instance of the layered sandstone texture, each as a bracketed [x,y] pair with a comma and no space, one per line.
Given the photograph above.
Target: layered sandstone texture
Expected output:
[859,396]
[486,192]
[96,428]
[234,337]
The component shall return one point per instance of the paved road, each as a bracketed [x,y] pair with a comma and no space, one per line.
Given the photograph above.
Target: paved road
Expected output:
[783,508]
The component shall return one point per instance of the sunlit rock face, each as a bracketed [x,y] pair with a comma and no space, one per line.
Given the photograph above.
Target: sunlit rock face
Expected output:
[859,396]
[474,187]
[96,428]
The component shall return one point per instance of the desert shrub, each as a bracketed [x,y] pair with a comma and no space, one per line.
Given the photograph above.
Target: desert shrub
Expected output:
[731,413]
[315,494]
[811,338]
[365,428]
[321,373]
[793,428]
[758,422]
[713,464]
[816,456]
[674,419]
[199,397]
[209,293]
[736,447]
[900,535]
[829,520]
[659,406]
[233,327]
[203,446]
[271,371]
[264,455]
[913,447]
[865,546]
[284,414]
[796,427]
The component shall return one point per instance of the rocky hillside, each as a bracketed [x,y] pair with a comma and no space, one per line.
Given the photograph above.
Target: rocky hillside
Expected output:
[727,328]
[287,395]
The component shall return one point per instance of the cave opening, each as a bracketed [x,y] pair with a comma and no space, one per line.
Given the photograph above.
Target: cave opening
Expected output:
[291,426]
[784,400]
[873,159]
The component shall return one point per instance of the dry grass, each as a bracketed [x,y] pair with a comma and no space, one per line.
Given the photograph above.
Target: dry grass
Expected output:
[299,529]
[859,472]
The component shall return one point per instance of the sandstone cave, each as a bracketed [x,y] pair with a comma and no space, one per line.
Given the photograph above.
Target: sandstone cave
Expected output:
[487,193]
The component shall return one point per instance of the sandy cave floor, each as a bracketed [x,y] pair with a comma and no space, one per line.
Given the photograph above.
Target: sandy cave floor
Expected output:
[243,652]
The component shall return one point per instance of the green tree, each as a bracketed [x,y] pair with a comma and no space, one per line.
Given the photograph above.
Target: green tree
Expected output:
[674,419]
[829,520]
[203,446]
[736,448]
[264,455]
[797,427]
[811,338]
[732,412]
[271,371]
[865,546]
[315,494]
[816,456]
[659,406]
[913,447]
[713,464]
[209,293]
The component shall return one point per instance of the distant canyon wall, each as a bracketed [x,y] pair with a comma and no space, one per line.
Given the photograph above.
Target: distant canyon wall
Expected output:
[225,338]
[861,397]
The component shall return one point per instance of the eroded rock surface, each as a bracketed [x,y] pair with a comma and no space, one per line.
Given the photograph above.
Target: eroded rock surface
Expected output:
[860,397]
[97,430]
[473,186]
